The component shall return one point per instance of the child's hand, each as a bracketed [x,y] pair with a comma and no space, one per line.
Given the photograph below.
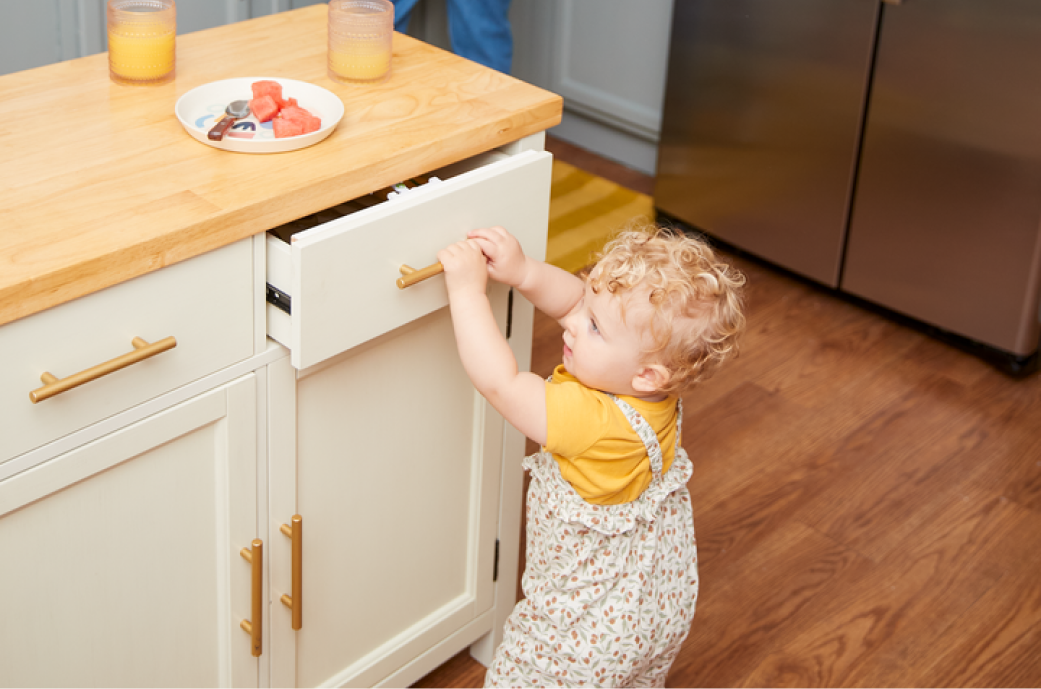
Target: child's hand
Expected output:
[465,267]
[506,260]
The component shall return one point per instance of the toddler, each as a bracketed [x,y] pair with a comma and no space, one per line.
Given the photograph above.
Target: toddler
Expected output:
[611,577]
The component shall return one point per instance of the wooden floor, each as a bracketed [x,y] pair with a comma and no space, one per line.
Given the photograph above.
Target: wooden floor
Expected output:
[868,505]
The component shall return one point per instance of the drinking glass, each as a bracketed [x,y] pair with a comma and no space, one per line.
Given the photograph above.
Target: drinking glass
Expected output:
[360,36]
[141,39]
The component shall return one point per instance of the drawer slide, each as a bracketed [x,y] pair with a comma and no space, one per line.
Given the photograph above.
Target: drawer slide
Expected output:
[279,299]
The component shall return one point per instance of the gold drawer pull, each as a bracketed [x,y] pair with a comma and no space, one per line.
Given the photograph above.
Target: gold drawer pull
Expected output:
[142,351]
[410,276]
[255,556]
[296,601]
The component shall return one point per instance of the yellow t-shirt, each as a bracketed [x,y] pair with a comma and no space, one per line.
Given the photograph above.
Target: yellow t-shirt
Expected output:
[597,450]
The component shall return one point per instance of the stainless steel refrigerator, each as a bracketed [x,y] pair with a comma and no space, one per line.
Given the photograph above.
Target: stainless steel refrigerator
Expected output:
[888,150]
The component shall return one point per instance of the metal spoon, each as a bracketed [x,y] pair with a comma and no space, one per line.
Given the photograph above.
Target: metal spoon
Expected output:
[236,110]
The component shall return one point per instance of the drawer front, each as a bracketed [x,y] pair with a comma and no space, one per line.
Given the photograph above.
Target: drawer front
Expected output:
[205,303]
[341,277]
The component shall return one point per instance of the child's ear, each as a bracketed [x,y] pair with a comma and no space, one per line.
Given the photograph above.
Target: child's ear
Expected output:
[651,378]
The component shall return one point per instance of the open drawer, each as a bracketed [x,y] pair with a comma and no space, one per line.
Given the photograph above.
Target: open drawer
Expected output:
[332,277]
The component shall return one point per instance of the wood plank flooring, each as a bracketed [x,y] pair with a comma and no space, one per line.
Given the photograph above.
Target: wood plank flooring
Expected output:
[868,504]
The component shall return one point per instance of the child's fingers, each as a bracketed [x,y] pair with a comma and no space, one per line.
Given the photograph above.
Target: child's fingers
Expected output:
[465,267]
[450,256]
[455,255]
[494,236]
[487,247]
[482,236]
[487,232]
[473,246]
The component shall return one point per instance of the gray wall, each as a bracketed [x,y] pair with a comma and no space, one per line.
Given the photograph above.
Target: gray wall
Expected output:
[34,33]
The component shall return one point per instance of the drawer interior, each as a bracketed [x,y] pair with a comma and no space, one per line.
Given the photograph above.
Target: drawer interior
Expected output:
[380,196]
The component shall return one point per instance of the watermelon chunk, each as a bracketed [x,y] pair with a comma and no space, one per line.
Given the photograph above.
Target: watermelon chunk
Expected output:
[309,122]
[295,112]
[267,87]
[264,107]
[285,114]
[285,128]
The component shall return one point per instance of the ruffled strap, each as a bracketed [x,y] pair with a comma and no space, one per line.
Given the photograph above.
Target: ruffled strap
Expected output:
[611,520]
[646,434]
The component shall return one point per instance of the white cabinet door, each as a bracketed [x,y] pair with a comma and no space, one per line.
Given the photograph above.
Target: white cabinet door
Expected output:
[398,464]
[120,559]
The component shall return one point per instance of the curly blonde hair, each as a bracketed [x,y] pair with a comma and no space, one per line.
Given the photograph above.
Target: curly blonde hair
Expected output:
[684,279]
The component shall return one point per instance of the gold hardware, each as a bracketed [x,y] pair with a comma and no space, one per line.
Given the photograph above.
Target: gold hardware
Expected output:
[410,276]
[296,601]
[893,2]
[255,628]
[142,350]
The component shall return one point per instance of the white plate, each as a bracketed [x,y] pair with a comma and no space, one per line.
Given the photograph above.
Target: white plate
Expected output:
[198,109]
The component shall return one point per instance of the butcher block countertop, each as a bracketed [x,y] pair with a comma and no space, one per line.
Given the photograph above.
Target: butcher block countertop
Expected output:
[100,183]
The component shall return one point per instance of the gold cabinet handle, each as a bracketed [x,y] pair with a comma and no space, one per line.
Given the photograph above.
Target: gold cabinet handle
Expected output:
[410,276]
[142,350]
[255,556]
[296,601]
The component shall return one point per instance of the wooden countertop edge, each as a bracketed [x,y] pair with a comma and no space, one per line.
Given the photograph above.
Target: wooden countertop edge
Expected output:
[94,272]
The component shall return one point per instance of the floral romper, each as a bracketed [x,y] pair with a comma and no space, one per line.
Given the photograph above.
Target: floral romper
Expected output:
[610,590]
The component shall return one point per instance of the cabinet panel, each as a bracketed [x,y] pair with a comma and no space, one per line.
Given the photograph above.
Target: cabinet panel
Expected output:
[341,276]
[622,88]
[398,469]
[122,555]
[206,303]
[612,97]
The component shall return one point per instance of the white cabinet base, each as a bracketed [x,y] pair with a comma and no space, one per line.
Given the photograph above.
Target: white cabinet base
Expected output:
[121,564]
[397,481]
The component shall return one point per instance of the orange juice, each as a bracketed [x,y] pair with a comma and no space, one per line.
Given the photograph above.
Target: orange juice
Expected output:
[360,65]
[141,41]
[145,56]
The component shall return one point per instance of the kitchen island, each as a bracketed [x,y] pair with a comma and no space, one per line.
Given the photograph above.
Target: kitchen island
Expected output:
[244,388]
[102,184]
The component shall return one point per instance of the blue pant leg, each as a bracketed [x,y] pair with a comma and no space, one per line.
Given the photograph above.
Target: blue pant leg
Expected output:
[480,31]
[402,13]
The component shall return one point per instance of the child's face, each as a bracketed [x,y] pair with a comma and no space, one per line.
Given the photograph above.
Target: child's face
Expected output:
[601,349]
